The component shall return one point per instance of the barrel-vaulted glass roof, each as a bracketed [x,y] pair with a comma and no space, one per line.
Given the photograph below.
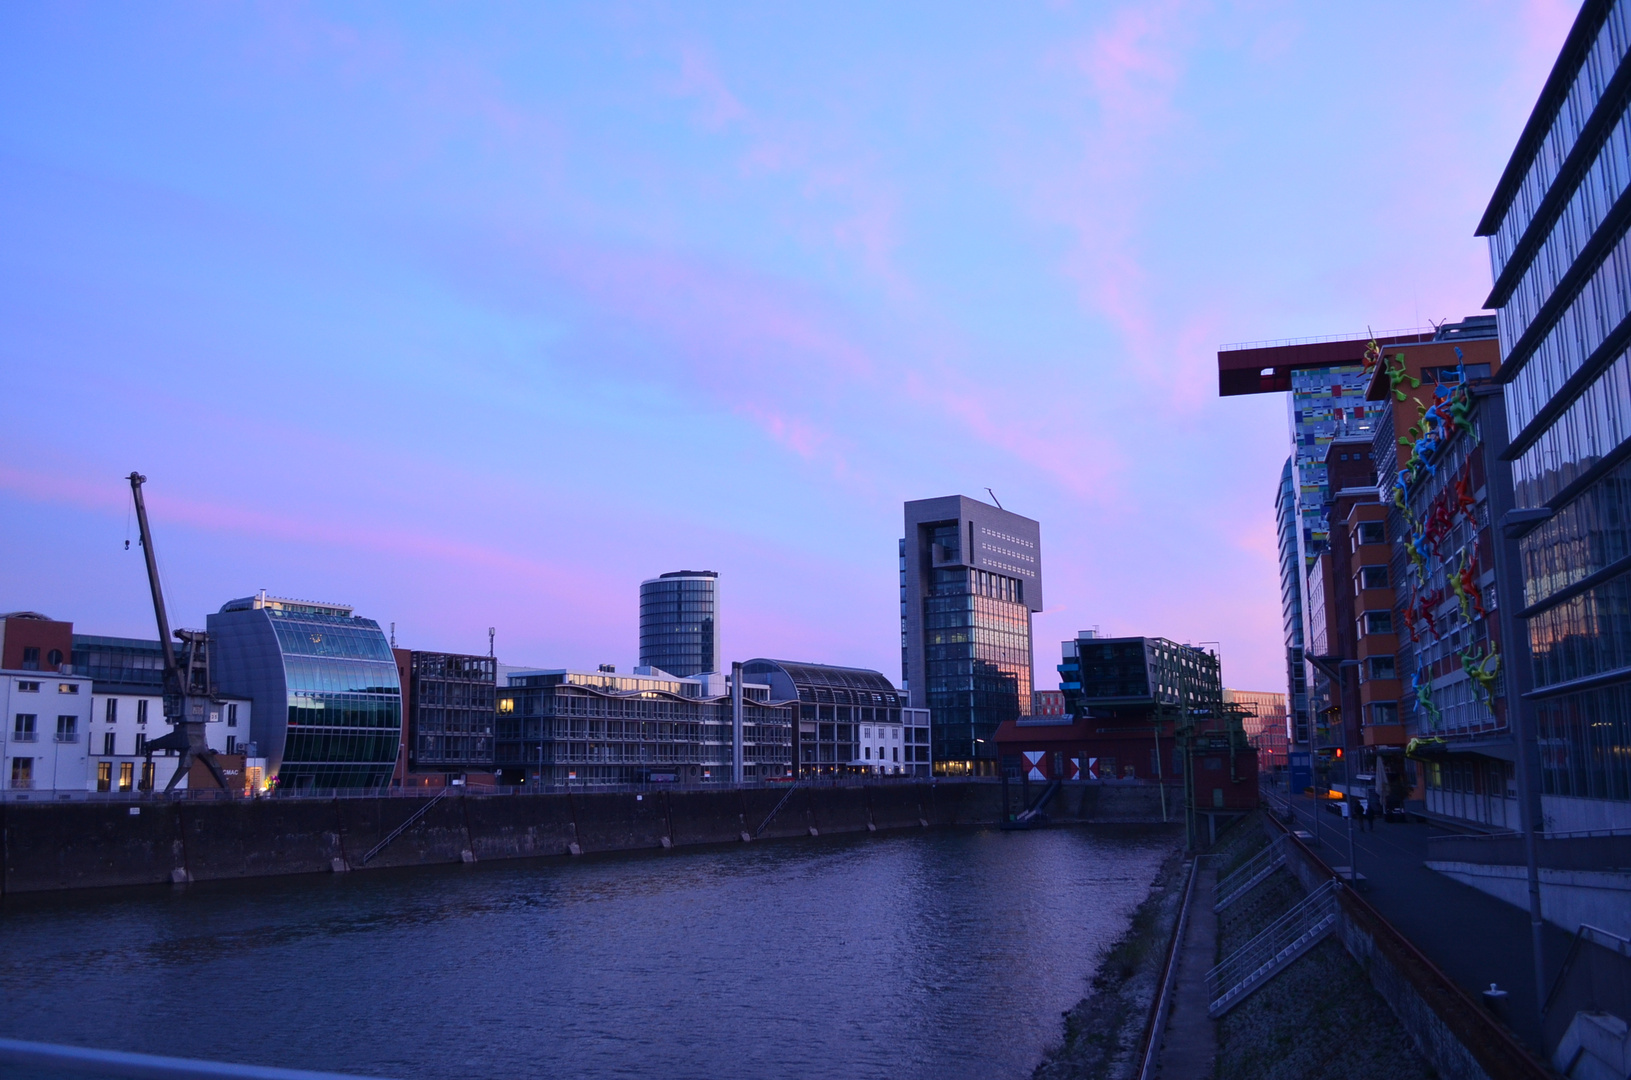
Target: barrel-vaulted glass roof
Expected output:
[846,678]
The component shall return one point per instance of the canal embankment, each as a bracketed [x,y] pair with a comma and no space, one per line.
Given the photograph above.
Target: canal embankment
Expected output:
[49,846]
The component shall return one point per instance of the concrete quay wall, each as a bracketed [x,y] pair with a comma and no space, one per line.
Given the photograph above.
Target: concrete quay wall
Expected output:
[77,845]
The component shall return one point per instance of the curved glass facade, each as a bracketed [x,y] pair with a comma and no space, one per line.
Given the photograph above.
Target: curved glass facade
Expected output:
[328,702]
[679,623]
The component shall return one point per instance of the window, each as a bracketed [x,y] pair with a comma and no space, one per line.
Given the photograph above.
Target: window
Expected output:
[232,744]
[141,742]
[23,730]
[22,772]
[1380,667]
[232,715]
[1378,622]
[127,770]
[1373,577]
[141,711]
[28,688]
[104,776]
[67,688]
[1384,712]
[67,729]
[107,747]
[147,775]
[110,712]
[869,753]
[897,753]
[31,662]
[54,658]
[1372,532]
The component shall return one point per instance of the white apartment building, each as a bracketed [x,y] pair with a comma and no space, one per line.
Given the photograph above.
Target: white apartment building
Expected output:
[43,740]
[124,719]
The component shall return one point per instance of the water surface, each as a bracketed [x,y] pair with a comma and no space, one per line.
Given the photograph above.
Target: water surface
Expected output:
[936,955]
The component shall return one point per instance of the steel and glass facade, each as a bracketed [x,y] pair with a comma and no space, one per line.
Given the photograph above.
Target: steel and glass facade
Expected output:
[572,727]
[679,622]
[971,578]
[327,698]
[1559,229]
[849,719]
[450,711]
[1291,605]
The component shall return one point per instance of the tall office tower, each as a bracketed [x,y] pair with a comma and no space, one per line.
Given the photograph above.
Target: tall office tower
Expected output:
[679,622]
[1291,606]
[1561,257]
[972,578]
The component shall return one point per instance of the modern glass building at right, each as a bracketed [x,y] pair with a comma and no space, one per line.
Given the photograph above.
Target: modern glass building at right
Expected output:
[1560,255]
[679,622]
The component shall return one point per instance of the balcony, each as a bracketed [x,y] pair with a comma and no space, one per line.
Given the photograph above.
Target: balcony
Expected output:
[24,736]
[67,736]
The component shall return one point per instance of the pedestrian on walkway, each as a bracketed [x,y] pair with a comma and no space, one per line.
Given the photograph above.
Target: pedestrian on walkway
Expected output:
[1372,812]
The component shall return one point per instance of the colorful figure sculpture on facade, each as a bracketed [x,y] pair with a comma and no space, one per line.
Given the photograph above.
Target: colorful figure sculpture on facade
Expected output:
[1429,601]
[1397,376]
[1465,583]
[1410,621]
[1464,502]
[1483,669]
[1424,698]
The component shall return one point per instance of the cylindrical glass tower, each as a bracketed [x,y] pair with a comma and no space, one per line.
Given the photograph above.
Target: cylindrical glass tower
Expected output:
[679,622]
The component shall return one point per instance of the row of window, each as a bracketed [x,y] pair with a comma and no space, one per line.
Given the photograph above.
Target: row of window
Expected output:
[25,686]
[25,728]
[1596,69]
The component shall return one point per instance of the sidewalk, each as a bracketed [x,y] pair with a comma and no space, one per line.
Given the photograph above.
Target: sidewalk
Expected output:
[1189,1047]
[1474,938]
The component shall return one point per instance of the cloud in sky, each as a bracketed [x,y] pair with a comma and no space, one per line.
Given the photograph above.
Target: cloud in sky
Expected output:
[479,317]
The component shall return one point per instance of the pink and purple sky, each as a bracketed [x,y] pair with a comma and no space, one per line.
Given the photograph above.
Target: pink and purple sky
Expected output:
[476,315]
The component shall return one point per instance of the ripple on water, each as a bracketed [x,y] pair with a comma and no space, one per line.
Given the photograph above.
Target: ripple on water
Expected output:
[932,955]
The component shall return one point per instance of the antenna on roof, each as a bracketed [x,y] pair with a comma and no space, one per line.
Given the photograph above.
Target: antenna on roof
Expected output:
[993,495]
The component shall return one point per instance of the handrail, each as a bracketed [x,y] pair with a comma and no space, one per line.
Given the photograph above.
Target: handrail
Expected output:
[1490,1031]
[1595,935]
[1244,876]
[1271,941]
[1157,1025]
[765,824]
[402,828]
[84,1059]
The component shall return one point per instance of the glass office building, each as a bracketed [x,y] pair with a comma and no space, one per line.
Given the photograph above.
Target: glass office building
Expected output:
[679,622]
[1559,229]
[450,711]
[971,579]
[327,700]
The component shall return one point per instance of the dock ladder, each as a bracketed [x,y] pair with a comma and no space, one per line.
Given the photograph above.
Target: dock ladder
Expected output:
[1250,873]
[402,828]
[1270,952]
[765,824]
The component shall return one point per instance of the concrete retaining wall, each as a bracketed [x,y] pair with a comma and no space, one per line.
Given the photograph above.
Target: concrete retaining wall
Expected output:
[1457,1038]
[51,846]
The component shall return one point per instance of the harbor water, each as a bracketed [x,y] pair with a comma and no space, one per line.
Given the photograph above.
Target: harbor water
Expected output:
[943,954]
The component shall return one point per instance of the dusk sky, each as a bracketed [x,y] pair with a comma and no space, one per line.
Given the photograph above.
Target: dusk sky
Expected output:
[477,315]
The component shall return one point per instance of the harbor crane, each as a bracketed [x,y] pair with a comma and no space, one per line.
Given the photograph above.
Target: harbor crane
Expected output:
[190,698]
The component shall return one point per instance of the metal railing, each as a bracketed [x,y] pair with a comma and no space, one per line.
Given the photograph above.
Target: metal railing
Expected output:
[1254,870]
[1157,1026]
[402,828]
[1424,333]
[1267,954]
[81,1059]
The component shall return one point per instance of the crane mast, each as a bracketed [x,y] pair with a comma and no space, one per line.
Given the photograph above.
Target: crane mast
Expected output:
[188,691]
